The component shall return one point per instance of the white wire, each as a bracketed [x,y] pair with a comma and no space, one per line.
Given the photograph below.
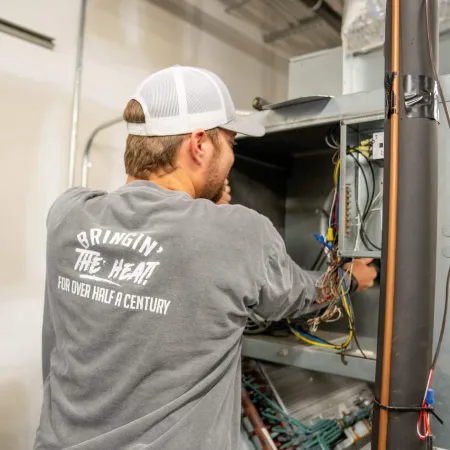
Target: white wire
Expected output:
[358,236]
[377,197]
[334,145]
[423,401]
[330,217]
[335,142]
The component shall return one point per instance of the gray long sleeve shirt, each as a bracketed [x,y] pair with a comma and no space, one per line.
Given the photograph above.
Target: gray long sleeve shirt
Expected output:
[147,295]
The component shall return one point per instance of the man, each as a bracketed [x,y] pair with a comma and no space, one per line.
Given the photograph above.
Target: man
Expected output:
[148,288]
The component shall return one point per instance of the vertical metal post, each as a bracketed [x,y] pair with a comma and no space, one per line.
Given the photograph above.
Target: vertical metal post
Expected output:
[409,249]
[77,93]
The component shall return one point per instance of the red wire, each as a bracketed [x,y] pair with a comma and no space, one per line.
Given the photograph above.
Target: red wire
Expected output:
[423,424]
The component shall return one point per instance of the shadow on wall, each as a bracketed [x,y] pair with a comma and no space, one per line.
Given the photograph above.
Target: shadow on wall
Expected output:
[14,407]
[24,156]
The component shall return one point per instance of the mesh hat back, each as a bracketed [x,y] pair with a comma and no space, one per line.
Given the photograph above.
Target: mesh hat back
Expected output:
[179,100]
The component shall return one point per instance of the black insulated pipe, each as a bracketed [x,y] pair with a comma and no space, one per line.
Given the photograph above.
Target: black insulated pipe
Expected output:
[416,225]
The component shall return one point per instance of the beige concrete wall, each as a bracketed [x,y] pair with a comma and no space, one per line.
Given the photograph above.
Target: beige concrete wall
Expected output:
[125,41]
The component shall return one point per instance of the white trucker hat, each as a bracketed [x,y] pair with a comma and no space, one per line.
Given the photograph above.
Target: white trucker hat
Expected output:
[179,100]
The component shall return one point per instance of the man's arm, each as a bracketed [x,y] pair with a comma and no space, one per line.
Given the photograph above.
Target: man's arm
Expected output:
[55,216]
[289,290]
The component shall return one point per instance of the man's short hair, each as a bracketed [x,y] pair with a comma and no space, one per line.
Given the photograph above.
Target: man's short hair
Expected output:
[145,155]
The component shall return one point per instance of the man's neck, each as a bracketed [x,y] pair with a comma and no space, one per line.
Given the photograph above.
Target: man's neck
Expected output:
[171,182]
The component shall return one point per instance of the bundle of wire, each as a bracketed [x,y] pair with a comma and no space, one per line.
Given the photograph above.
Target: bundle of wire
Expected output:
[332,285]
[334,288]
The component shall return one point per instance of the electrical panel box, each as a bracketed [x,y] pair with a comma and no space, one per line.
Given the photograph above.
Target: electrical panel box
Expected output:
[378,146]
[361,187]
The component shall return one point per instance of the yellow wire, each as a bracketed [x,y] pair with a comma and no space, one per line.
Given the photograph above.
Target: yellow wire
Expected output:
[319,344]
[363,148]
[336,172]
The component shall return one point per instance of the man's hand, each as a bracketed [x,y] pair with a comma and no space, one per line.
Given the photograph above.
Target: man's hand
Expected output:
[364,273]
[226,197]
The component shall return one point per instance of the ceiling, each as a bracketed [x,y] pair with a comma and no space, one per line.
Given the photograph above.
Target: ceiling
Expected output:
[294,27]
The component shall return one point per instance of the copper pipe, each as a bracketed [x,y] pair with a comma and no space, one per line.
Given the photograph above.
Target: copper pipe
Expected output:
[392,227]
[258,425]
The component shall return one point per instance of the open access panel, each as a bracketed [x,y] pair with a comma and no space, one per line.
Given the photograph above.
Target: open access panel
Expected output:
[289,176]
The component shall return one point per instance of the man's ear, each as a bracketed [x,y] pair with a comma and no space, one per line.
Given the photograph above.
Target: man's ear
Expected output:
[197,147]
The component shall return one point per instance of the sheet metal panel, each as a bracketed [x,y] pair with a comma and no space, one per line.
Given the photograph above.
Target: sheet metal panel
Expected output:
[293,352]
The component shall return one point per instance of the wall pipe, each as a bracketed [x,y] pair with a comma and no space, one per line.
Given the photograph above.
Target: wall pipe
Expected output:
[87,149]
[405,335]
[77,93]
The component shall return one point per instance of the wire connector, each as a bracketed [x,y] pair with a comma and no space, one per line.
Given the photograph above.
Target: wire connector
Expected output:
[429,400]
[330,235]
[322,241]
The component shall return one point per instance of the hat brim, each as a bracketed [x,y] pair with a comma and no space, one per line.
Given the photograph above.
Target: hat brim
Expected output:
[248,125]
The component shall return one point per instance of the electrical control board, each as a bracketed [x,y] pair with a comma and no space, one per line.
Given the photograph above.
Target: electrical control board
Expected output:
[361,187]
[378,146]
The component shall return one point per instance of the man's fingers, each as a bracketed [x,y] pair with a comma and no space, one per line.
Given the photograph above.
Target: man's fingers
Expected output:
[366,261]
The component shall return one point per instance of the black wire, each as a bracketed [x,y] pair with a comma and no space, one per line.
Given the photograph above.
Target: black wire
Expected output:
[364,175]
[444,323]
[370,194]
[447,115]
[352,323]
[322,261]
[357,344]
[366,237]
[361,232]
[316,265]
[372,197]
[369,203]
[433,64]
[362,216]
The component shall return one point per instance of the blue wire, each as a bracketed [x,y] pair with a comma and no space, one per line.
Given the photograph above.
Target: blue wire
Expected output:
[309,336]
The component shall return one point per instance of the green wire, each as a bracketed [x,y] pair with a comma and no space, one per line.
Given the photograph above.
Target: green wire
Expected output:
[322,435]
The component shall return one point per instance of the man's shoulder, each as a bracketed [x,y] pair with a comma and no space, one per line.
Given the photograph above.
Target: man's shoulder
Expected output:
[233,218]
[67,200]
[235,212]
